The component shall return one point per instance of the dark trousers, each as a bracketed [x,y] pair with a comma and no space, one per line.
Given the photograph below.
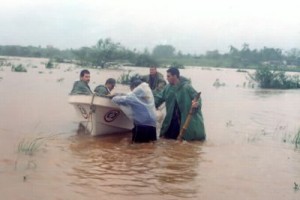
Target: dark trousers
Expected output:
[174,128]
[142,133]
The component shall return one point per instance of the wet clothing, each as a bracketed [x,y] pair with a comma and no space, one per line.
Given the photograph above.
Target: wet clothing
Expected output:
[174,127]
[139,106]
[101,90]
[81,88]
[156,83]
[180,96]
[142,134]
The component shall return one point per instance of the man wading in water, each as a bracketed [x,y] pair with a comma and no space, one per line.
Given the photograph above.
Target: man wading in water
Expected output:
[155,80]
[178,96]
[139,106]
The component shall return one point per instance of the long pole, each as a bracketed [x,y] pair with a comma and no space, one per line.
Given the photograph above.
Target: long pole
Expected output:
[188,119]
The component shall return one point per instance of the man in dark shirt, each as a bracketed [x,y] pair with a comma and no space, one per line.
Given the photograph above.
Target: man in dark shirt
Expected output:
[81,87]
[105,90]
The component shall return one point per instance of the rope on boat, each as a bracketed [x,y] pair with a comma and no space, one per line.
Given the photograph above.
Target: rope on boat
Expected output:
[92,110]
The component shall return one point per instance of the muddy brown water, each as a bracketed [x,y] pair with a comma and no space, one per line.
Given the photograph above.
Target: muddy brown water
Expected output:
[248,153]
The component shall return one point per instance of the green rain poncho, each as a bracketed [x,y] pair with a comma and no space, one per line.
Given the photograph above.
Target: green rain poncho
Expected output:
[182,93]
[81,88]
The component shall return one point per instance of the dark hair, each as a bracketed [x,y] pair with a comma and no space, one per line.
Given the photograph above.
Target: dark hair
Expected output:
[134,83]
[174,71]
[83,72]
[110,81]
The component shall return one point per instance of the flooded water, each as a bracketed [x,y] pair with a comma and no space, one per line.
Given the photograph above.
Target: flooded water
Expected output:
[248,153]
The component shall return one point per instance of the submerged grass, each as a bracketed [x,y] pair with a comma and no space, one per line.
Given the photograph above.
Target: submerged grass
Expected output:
[296,139]
[19,68]
[30,146]
[296,186]
[60,80]
[292,139]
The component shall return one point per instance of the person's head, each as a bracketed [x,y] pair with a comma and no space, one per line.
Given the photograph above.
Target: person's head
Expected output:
[134,83]
[85,76]
[173,75]
[153,70]
[110,83]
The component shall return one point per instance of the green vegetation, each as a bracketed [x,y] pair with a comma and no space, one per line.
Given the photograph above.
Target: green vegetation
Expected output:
[145,60]
[163,51]
[177,65]
[32,144]
[2,62]
[296,139]
[125,78]
[268,78]
[296,186]
[270,63]
[106,51]
[49,65]
[37,52]
[292,138]
[19,68]
[29,146]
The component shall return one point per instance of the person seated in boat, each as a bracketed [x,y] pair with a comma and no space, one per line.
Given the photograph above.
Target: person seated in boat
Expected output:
[155,80]
[105,90]
[81,87]
[139,106]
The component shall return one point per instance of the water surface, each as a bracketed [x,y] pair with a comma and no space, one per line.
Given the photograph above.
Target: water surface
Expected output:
[248,153]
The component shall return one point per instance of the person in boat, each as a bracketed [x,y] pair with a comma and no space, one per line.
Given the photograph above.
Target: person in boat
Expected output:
[81,87]
[155,80]
[178,96]
[139,106]
[105,90]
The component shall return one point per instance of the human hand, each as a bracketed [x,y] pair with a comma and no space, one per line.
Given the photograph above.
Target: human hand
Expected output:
[195,104]
[179,138]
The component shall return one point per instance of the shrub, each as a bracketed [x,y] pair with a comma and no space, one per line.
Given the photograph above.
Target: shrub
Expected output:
[125,78]
[268,78]
[49,65]
[19,68]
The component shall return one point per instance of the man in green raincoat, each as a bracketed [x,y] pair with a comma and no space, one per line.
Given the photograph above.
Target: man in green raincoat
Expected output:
[105,90]
[155,80]
[81,87]
[179,97]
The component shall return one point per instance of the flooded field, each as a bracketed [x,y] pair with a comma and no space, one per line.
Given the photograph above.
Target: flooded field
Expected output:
[249,151]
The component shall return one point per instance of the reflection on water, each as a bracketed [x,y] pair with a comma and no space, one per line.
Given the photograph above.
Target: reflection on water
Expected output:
[161,168]
[248,154]
[268,93]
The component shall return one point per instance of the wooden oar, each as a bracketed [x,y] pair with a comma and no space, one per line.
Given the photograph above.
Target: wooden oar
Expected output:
[188,119]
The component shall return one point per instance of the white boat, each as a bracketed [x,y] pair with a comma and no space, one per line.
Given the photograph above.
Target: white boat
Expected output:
[101,117]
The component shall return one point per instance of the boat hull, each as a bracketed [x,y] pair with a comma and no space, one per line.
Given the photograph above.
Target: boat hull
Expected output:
[99,115]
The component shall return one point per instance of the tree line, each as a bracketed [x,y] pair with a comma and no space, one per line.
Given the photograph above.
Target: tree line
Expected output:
[107,52]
